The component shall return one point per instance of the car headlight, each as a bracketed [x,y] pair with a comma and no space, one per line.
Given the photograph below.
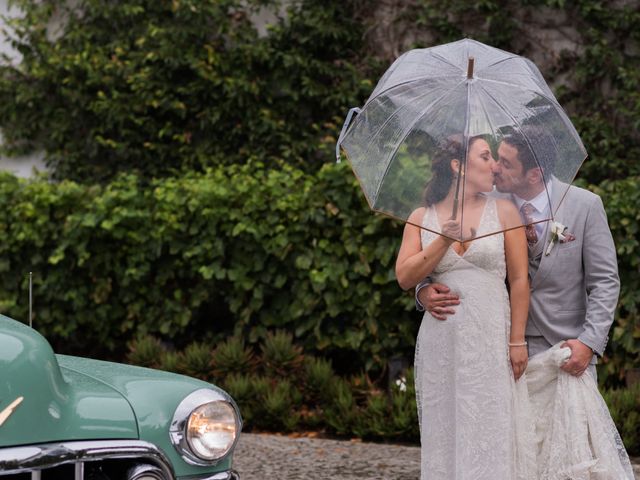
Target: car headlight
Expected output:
[205,427]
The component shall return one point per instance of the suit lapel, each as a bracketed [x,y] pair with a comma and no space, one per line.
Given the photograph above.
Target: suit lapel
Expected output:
[557,210]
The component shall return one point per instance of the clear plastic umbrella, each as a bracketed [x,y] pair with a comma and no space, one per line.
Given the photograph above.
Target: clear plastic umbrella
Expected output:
[432,105]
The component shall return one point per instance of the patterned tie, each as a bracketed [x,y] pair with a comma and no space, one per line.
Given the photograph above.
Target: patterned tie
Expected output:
[529,230]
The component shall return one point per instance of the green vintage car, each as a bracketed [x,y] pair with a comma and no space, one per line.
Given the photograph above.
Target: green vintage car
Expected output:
[64,417]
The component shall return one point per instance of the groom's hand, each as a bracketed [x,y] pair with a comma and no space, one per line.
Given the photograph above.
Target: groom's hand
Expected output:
[438,300]
[580,357]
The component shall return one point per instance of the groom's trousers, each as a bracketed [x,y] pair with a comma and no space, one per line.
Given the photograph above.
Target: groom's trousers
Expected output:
[537,344]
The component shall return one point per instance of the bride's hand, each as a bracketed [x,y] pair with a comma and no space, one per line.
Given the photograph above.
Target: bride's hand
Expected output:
[519,359]
[451,229]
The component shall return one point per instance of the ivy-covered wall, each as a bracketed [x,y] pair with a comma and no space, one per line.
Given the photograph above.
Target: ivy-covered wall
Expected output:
[157,87]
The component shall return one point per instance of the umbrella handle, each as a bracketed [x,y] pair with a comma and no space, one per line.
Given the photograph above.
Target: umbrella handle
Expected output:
[343,132]
[454,212]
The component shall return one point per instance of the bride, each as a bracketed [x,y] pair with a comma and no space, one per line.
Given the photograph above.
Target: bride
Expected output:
[472,400]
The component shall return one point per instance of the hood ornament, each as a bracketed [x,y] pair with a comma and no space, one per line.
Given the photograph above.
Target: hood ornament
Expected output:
[6,413]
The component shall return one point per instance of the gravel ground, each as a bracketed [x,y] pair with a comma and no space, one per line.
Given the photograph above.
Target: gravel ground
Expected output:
[265,456]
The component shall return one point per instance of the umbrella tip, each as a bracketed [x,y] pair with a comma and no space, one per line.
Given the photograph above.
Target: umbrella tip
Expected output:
[470,67]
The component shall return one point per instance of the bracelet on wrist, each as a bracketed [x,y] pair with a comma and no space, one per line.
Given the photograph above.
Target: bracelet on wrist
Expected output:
[521,344]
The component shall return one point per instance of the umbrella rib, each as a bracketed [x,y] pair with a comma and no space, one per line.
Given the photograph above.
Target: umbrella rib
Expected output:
[411,80]
[513,119]
[522,87]
[440,57]
[486,116]
[405,135]
[509,57]
[550,99]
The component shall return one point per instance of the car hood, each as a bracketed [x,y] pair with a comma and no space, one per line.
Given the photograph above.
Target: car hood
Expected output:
[57,403]
[154,396]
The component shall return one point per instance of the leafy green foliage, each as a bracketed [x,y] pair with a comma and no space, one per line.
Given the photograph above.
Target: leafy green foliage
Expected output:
[313,397]
[242,249]
[145,351]
[196,360]
[170,361]
[599,78]
[280,406]
[244,390]
[232,357]
[279,355]
[623,405]
[340,414]
[489,21]
[621,199]
[156,87]
[269,249]
[281,241]
[318,378]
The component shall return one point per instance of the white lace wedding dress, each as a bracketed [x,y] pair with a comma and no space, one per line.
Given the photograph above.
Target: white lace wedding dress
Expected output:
[475,422]
[576,437]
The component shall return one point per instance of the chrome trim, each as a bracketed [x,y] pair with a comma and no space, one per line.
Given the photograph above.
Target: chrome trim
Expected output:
[144,469]
[36,457]
[177,431]
[227,475]
[6,413]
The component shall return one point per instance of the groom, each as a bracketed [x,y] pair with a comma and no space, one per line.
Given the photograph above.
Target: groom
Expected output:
[575,285]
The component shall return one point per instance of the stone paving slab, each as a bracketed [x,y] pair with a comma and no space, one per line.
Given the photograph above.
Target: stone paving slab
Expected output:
[266,456]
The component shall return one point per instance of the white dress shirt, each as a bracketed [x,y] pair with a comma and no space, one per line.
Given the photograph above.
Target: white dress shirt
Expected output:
[541,208]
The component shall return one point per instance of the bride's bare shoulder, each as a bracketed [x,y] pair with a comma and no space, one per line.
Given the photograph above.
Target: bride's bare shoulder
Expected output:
[508,212]
[416,216]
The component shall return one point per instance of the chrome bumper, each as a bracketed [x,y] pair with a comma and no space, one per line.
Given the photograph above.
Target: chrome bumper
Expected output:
[36,459]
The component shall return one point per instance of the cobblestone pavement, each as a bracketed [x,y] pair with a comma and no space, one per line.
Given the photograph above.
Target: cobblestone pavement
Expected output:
[265,456]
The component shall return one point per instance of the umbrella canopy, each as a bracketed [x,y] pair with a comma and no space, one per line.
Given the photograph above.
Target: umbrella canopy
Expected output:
[429,109]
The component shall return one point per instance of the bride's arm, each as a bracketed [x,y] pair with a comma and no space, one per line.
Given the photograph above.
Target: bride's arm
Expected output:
[414,263]
[515,246]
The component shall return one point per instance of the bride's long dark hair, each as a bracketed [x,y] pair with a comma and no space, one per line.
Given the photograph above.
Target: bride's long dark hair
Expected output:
[442,173]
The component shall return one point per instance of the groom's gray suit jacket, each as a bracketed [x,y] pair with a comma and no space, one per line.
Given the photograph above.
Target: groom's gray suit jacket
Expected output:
[574,289]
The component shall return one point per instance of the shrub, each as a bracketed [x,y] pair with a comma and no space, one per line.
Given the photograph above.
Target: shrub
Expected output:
[196,361]
[341,414]
[624,407]
[621,199]
[280,357]
[204,253]
[319,379]
[232,357]
[171,362]
[146,351]
[243,390]
[205,257]
[279,407]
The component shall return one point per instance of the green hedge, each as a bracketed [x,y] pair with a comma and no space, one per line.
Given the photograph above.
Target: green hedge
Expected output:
[238,249]
[622,202]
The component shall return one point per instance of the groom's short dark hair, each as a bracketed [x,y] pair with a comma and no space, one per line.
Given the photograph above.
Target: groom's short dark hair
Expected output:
[536,148]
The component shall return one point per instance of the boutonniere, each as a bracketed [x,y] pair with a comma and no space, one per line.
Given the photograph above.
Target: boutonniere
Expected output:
[558,234]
